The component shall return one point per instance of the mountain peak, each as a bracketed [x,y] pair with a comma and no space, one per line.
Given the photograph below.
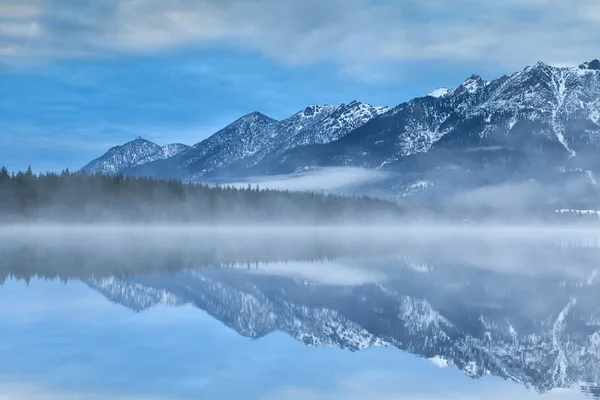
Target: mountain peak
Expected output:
[471,85]
[137,142]
[253,117]
[474,77]
[135,152]
[440,92]
[257,114]
[594,65]
[312,109]
[539,66]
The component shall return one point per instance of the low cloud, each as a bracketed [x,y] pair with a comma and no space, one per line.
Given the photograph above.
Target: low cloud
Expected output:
[325,179]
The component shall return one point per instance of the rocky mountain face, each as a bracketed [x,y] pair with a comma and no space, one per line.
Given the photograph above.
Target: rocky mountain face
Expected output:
[542,123]
[257,138]
[541,105]
[134,153]
[542,332]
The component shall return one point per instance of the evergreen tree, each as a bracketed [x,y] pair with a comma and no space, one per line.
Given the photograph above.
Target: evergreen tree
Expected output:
[80,197]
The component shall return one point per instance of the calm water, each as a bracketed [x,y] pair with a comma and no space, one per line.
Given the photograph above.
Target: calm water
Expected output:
[182,313]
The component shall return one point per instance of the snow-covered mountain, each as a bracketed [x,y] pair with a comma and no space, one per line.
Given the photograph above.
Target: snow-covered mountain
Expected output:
[539,126]
[256,138]
[541,332]
[136,152]
[557,108]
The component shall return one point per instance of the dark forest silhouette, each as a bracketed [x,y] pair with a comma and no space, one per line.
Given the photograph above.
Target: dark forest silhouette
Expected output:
[81,197]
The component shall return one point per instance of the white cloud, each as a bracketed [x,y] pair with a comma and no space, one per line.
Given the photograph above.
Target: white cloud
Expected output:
[18,29]
[351,33]
[19,9]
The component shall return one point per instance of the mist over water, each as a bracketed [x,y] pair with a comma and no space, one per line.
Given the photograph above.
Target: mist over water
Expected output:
[516,307]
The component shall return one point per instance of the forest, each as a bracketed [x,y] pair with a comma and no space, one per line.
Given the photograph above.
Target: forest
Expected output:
[78,197]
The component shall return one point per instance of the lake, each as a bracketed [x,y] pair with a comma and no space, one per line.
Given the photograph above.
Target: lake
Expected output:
[419,313]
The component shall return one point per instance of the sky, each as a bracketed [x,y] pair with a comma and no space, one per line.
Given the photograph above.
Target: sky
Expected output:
[78,77]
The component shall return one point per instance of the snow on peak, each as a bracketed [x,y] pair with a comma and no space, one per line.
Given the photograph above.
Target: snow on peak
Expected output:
[538,65]
[254,116]
[471,85]
[440,92]
[136,152]
[324,123]
[169,150]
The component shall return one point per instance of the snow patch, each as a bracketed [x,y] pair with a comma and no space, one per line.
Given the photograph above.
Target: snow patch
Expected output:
[439,362]
[440,92]
[595,116]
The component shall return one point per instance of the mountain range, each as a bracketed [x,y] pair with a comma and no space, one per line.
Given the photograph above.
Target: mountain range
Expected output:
[539,126]
[242,144]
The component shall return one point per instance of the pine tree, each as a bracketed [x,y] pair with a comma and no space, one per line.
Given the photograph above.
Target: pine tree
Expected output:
[4,175]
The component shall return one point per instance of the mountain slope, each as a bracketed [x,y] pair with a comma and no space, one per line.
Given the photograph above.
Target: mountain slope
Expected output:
[541,124]
[256,137]
[555,108]
[313,125]
[136,152]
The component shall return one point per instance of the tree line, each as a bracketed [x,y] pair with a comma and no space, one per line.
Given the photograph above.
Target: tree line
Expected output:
[81,197]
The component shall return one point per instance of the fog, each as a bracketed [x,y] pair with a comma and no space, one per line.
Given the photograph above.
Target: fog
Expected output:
[341,179]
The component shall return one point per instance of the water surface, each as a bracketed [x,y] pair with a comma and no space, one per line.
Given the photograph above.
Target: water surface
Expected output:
[187,313]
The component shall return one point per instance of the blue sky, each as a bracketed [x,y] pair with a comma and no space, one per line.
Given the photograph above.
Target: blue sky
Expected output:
[78,77]
[67,342]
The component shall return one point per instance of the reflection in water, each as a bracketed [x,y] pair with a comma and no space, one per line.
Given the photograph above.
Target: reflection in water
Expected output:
[523,306]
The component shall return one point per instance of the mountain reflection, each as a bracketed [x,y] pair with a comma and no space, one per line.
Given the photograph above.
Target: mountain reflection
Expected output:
[522,307]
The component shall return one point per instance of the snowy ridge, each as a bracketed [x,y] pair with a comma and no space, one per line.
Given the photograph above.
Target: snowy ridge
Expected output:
[242,138]
[250,140]
[440,92]
[515,112]
[137,152]
[469,86]
[316,124]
